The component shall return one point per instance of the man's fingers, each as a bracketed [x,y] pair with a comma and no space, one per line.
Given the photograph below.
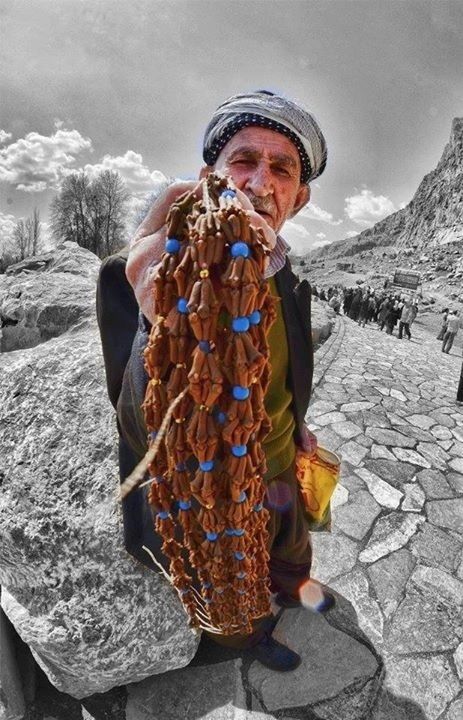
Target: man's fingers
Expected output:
[158,211]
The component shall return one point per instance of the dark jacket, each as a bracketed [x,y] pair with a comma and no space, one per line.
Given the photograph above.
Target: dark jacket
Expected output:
[124,334]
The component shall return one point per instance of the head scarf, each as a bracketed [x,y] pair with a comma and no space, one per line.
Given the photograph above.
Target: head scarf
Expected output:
[265,109]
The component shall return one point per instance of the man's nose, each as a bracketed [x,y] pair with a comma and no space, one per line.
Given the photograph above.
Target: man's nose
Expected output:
[260,182]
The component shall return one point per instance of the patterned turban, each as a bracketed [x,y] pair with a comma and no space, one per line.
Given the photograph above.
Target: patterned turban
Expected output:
[264,109]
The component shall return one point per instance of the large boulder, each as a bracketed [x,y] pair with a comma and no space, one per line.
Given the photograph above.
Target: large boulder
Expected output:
[43,296]
[91,615]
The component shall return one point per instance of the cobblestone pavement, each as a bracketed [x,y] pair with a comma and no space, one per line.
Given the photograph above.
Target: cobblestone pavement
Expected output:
[388,406]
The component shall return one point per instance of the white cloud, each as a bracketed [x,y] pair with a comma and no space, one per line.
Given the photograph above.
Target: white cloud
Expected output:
[366,208]
[7,224]
[36,162]
[4,136]
[320,235]
[313,212]
[352,233]
[298,237]
[131,167]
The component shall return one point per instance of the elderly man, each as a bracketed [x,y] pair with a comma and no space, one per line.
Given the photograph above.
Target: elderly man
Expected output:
[271,149]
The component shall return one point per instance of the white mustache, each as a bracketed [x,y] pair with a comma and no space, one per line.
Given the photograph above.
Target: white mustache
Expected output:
[262,204]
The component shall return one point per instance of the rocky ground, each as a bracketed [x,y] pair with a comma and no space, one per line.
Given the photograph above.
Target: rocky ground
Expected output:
[394,556]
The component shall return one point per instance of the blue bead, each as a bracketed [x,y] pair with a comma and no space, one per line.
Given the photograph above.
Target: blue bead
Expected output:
[172,245]
[230,532]
[182,305]
[242,592]
[207,465]
[228,193]
[258,507]
[181,467]
[254,317]
[206,585]
[241,575]
[240,324]
[242,497]
[239,532]
[240,392]
[153,435]
[159,479]
[163,514]
[184,504]
[239,249]
[239,555]
[239,450]
[208,601]
[212,536]
[222,418]
[204,346]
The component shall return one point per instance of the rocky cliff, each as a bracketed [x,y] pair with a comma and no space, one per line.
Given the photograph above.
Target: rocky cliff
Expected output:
[433,217]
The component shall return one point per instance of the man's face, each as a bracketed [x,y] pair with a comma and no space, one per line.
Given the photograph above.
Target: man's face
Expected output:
[265,165]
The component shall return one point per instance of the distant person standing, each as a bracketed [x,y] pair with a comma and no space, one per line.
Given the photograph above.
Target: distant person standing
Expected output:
[453,323]
[444,324]
[406,318]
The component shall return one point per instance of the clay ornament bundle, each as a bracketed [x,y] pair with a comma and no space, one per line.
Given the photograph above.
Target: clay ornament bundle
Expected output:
[208,365]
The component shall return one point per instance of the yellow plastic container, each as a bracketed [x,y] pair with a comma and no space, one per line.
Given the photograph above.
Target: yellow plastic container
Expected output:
[318,475]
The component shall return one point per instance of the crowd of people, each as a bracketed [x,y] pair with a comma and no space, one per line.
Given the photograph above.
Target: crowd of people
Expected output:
[365,305]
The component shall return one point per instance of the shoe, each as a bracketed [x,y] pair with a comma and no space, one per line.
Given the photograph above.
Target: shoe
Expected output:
[285,600]
[273,654]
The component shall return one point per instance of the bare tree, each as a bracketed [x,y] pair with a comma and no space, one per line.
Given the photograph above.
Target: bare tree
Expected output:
[26,236]
[91,212]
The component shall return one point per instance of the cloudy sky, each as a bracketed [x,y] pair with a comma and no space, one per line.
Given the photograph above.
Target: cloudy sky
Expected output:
[131,85]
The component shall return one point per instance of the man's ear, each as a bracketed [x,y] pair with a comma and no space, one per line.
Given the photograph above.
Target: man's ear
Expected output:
[205,171]
[302,198]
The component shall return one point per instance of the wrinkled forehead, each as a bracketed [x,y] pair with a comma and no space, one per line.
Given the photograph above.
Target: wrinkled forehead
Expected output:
[264,143]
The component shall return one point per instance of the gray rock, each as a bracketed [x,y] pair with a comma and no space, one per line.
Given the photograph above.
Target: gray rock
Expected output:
[353,452]
[454,711]
[385,494]
[356,517]
[389,577]
[389,534]
[354,587]
[333,555]
[394,472]
[427,681]
[356,406]
[213,691]
[458,660]
[437,547]
[422,421]
[43,305]
[441,433]
[456,481]
[434,484]
[414,498]
[390,437]
[346,429]
[410,456]
[446,513]
[457,465]
[92,616]
[443,419]
[435,454]
[427,620]
[330,418]
[381,451]
[333,662]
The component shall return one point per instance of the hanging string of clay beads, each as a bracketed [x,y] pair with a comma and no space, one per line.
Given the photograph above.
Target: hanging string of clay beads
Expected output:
[213,314]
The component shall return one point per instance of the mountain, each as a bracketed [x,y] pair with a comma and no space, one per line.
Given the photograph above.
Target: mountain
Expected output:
[432,218]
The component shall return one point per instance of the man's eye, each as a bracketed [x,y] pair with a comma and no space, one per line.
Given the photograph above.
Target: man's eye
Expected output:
[282,171]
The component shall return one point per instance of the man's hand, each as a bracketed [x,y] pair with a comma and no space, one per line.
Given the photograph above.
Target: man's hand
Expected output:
[148,243]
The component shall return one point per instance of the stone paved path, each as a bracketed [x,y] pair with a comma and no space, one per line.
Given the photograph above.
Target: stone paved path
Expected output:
[388,407]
